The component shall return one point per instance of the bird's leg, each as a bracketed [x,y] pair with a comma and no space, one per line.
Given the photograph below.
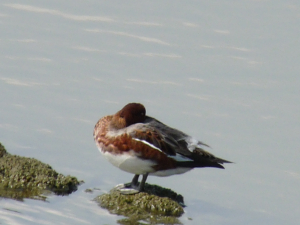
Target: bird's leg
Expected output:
[133,187]
[135,180]
[142,184]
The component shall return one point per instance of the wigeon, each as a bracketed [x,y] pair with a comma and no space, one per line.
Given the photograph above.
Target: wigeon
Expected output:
[142,145]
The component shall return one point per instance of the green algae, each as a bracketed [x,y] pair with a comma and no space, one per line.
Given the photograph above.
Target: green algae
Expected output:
[2,150]
[155,205]
[22,177]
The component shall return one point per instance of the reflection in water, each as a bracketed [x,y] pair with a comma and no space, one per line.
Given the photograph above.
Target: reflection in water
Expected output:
[21,194]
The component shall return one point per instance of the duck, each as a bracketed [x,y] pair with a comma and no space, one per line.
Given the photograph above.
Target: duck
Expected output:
[142,145]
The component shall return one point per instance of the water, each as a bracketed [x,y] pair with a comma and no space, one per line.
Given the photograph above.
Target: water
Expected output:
[224,72]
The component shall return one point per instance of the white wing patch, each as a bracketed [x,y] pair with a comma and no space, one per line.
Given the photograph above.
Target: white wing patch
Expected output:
[194,143]
[180,158]
[149,144]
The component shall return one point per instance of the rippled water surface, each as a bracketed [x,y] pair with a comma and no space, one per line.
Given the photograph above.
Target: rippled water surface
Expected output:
[224,72]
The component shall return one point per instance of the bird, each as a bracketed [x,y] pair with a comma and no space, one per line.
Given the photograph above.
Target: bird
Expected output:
[142,145]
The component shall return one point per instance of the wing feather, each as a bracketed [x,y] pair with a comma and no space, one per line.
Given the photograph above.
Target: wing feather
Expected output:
[175,144]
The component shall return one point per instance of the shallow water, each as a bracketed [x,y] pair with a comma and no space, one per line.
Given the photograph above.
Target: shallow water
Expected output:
[224,72]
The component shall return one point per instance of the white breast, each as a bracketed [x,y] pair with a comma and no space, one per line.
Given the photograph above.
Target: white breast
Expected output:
[130,163]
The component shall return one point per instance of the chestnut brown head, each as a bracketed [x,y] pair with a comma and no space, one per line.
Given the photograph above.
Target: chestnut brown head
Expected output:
[130,114]
[133,113]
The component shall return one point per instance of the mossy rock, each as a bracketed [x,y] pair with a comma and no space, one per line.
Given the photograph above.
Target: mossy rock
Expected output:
[20,176]
[2,150]
[155,205]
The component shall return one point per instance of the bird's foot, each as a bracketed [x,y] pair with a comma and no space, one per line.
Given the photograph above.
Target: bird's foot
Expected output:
[127,189]
[134,187]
